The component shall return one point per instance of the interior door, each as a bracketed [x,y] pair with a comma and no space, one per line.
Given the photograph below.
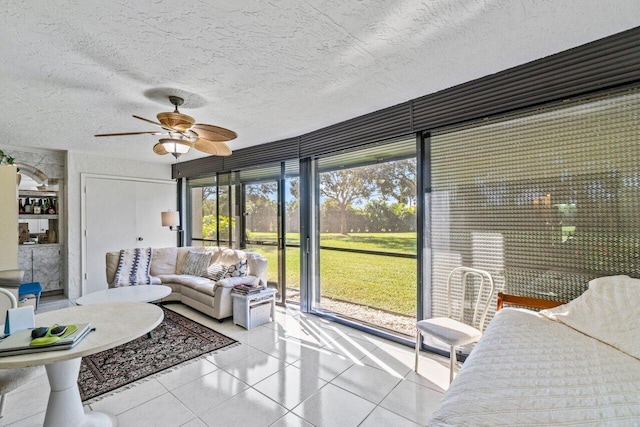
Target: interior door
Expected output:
[151,199]
[122,214]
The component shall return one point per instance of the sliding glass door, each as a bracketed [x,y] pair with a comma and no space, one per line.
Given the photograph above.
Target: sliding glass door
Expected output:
[366,216]
[270,212]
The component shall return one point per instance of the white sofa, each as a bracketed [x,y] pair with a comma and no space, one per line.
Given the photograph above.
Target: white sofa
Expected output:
[201,293]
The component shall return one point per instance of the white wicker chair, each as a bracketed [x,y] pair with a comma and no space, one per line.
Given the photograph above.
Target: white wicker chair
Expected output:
[11,379]
[453,331]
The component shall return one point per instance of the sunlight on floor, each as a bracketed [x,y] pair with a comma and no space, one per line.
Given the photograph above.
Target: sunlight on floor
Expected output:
[297,370]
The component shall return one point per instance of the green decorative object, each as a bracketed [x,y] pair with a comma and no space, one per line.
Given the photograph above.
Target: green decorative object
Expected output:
[5,159]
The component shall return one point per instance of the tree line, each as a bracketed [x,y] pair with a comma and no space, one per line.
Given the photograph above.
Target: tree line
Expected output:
[373,198]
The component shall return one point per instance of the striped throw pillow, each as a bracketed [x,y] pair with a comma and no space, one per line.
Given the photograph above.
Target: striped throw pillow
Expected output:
[196,263]
[216,272]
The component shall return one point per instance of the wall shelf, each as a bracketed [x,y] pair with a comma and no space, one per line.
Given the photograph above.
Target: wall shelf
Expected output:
[37,194]
[38,216]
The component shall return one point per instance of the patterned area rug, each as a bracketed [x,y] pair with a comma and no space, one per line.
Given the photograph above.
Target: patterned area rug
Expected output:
[176,340]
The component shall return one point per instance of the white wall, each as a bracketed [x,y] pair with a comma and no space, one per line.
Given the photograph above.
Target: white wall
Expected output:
[78,163]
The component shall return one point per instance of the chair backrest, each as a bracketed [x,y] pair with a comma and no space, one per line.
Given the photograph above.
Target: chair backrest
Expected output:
[7,301]
[482,300]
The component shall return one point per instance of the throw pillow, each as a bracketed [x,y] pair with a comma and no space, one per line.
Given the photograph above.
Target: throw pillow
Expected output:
[133,267]
[196,263]
[238,269]
[216,272]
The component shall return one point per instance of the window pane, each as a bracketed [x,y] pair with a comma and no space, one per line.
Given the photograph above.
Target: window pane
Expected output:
[225,219]
[262,211]
[211,209]
[203,215]
[368,243]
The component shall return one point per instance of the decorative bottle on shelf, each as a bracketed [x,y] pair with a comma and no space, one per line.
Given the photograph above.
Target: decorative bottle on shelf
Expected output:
[27,207]
[37,208]
[51,210]
[20,206]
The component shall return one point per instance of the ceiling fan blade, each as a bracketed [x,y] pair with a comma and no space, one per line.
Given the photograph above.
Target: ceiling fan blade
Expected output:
[165,127]
[147,120]
[217,148]
[159,149]
[213,133]
[129,133]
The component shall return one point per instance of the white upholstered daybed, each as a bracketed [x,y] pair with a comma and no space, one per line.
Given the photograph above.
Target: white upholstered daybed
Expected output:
[576,364]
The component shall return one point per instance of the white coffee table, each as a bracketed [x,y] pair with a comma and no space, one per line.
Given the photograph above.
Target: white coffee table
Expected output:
[140,293]
[115,323]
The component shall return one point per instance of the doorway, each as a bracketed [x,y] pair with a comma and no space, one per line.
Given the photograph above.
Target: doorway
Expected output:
[121,213]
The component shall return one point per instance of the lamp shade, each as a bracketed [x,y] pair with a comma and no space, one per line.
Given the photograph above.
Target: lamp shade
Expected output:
[170,218]
[174,146]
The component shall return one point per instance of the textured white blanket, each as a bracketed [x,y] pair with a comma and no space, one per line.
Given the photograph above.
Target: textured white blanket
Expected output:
[529,370]
[608,311]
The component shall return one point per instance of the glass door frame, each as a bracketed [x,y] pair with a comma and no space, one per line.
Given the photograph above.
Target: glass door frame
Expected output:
[310,247]
[281,240]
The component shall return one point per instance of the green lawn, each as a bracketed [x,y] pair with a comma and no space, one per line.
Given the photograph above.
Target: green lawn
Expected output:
[383,282]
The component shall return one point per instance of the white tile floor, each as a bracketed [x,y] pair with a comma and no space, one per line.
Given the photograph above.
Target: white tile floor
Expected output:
[300,370]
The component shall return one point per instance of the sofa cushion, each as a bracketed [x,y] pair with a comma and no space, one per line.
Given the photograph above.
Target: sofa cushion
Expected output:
[238,269]
[256,265]
[231,256]
[195,263]
[197,283]
[215,254]
[112,260]
[194,282]
[175,288]
[163,261]
[216,272]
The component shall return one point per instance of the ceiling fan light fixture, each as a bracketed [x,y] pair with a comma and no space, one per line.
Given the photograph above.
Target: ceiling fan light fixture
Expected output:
[181,133]
[176,147]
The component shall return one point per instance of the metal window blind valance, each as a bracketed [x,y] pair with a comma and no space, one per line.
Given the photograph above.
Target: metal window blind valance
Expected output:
[610,62]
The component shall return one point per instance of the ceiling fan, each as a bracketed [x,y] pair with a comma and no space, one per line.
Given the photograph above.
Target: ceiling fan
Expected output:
[181,132]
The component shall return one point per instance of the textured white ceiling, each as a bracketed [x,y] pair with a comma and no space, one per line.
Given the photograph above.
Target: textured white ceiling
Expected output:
[266,69]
